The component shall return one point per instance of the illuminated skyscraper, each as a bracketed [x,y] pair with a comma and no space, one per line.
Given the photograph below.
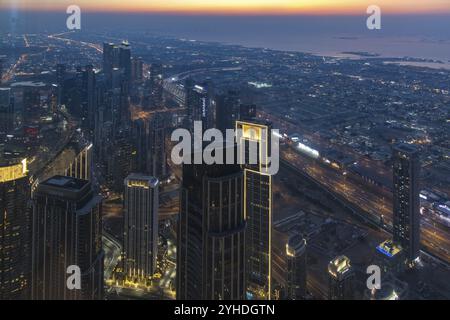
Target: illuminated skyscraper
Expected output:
[211,234]
[296,268]
[67,231]
[406,170]
[140,227]
[255,145]
[15,230]
[341,279]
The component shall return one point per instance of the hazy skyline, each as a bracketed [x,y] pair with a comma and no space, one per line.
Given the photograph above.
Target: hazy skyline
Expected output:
[237,6]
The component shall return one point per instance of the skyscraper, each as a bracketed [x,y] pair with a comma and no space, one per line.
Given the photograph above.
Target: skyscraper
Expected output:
[140,227]
[296,268]
[406,171]
[198,105]
[149,139]
[341,279]
[81,165]
[211,233]
[67,231]
[88,89]
[15,230]
[157,161]
[136,69]
[1,70]
[258,205]
[125,62]
[6,110]
[227,110]
[156,86]
[60,78]
[110,60]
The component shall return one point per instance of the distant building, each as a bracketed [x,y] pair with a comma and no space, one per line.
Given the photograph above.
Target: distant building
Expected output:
[296,268]
[157,161]
[6,110]
[1,70]
[15,231]
[198,105]
[406,171]
[149,137]
[156,86]
[137,69]
[88,97]
[227,110]
[140,227]
[81,166]
[341,279]
[67,231]
[110,60]
[125,62]
[60,79]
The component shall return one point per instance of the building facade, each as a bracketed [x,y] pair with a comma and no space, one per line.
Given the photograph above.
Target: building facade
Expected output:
[67,232]
[15,231]
[406,175]
[140,227]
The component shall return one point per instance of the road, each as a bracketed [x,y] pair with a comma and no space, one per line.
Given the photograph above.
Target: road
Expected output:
[113,250]
[434,239]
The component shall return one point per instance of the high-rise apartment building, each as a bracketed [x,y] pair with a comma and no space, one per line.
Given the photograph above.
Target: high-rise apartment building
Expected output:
[140,227]
[406,172]
[67,232]
[15,230]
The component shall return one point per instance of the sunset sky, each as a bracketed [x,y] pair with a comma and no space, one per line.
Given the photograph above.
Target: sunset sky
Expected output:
[238,6]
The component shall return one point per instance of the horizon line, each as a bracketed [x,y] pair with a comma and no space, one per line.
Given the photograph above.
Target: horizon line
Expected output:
[229,11]
[207,12]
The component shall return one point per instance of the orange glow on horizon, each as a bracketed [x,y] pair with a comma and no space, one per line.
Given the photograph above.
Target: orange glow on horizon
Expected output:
[250,7]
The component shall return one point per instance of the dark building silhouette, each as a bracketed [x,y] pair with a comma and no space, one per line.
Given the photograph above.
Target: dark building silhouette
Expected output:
[156,86]
[211,233]
[296,268]
[6,110]
[406,171]
[137,69]
[211,229]
[66,232]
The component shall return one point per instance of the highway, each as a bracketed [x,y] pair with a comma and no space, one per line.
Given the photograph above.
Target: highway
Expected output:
[378,209]
[113,250]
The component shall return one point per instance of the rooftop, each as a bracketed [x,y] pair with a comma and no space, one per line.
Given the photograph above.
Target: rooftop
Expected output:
[406,148]
[295,246]
[339,266]
[141,180]
[389,248]
[67,183]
